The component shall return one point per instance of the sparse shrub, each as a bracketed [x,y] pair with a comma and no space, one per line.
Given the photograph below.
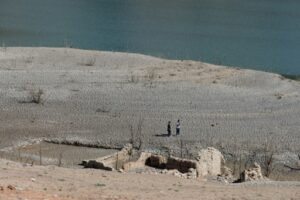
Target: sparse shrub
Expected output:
[100,185]
[132,135]
[29,60]
[268,153]
[60,156]
[103,109]
[36,96]
[150,76]
[19,154]
[278,96]
[184,153]
[91,61]
[136,134]
[133,79]
[140,133]
[40,153]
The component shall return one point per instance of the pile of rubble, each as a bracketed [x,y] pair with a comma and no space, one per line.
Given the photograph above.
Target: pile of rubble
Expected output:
[191,174]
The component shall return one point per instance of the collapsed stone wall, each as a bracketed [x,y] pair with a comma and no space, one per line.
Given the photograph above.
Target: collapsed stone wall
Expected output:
[182,165]
[110,162]
[161,162]
[209,161]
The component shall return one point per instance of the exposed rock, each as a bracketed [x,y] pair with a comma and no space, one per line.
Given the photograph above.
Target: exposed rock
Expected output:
[209,162]
[174,172]
[183,176]
[226,176]
[222,179]
[192,173]
[252,174]
[227,172]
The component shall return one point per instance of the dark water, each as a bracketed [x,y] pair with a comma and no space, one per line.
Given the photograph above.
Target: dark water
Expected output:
[257,34]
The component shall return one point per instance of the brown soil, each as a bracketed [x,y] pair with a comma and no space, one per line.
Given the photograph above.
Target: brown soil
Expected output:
[54,183]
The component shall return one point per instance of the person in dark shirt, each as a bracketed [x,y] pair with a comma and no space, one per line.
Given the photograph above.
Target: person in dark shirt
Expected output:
[178,127]
[169,129]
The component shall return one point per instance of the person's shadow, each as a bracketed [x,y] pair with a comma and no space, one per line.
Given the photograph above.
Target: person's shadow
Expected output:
[161,135]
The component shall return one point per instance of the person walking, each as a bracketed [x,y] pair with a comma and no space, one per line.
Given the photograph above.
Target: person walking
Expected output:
[178,127]
[169,129]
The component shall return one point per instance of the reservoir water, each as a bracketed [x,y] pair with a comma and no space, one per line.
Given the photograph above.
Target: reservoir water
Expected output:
[256,34]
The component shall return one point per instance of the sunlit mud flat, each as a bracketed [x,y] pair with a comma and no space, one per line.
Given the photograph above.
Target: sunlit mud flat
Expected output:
[45,153]
[108,99]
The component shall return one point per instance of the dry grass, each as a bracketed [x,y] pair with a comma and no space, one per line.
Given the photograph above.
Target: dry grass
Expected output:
[136,134]
[133,78]
[90,61]
[150,76]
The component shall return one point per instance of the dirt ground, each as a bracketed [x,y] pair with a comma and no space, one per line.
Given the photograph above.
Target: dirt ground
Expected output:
[55,183]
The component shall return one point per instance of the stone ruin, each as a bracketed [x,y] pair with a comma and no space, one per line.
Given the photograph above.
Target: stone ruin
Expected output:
[111,162]
[209,162]
[161,162]
[252,174]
